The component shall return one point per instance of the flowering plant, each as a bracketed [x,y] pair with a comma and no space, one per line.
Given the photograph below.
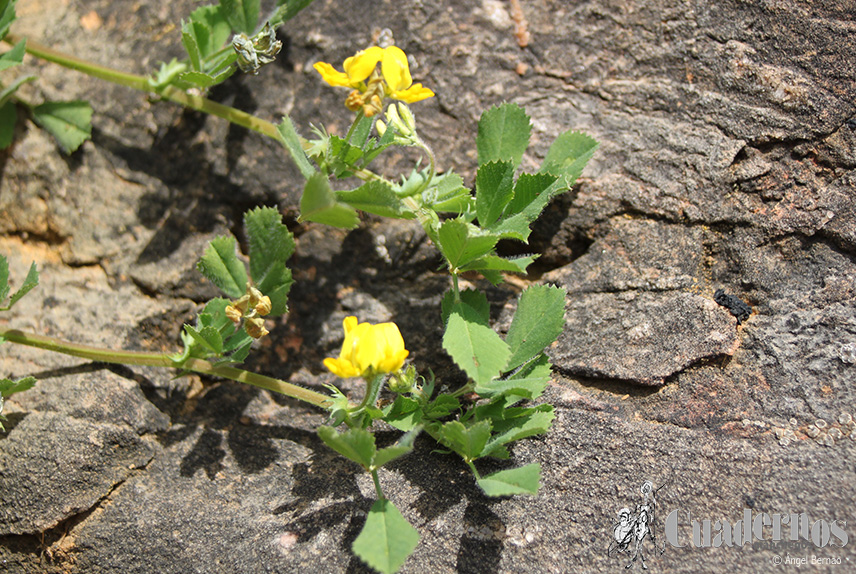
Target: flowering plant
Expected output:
[481,418]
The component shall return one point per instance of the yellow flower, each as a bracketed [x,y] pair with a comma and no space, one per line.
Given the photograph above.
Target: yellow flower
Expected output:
[368,348]
[370,87]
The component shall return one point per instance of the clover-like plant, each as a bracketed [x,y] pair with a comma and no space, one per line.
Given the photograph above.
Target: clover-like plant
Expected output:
[493,408]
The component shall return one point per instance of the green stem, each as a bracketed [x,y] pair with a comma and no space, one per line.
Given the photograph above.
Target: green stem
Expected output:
[164,360]
[376,480]
[473,468]
[142,84]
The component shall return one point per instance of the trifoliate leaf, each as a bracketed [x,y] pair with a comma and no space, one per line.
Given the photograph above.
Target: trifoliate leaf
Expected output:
[386,540]
[537,323]
[68,122]
[522,480]
[461,242]
[503,134]
[221,266]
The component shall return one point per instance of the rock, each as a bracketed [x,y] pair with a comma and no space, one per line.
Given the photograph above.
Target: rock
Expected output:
[644,338]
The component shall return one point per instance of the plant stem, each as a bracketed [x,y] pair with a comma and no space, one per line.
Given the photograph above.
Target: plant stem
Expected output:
[164,360]
[143,84]
[376,480]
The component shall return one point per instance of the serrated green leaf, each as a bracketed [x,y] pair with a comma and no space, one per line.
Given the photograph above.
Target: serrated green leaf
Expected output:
[474,346]
[524,388]
[494,190]
[30,282]
[9,387]
[319,204]
[68,122]
[291,141]
[495,263]
[14,56]
[538,321]
[449,195]
[356,444]
[221,266]
[503,134]
[468,442]
[404,413]
[461,242]
[386,540]
[217,30]
[568,156]
[243,15]
[526,190]
[270,246]
[375,197]
[522,480]
[191,40]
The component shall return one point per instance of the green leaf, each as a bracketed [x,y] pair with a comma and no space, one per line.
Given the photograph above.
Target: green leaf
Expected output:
[30,282]
[319,204]
[528,382]
[271,244]
[470,297]
[528,188]
[7,16]
[495,263]
[375,197]
[222,267]
[243,15]
[537,323]
[402,447]
[7,92]
[201,79]
[192,35]
[286,10]
[473,345]
[208,337]
[216,30]
[291,142]
[404,413]
[469,442]
[449,195]
[9,387]
[8,119]
[357,444]
[461,242]
[68,122]
[518,423]
[386,540]
[14,56]
[522,480]
[503,134]
[568,156]
[494,182]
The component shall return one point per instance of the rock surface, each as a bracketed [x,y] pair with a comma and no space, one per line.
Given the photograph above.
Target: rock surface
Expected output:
[727,160]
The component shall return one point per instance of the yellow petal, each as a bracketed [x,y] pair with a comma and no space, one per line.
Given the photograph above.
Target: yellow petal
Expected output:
[416,93]
[395,69]
[361,65]
[340,368]
[331,75]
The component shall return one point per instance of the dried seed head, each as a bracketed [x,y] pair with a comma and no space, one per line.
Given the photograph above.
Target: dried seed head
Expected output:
[255,327]
[263,306]
[234,314]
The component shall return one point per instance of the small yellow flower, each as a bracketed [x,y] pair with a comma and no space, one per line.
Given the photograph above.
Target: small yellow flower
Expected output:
[369,86]
[368,348]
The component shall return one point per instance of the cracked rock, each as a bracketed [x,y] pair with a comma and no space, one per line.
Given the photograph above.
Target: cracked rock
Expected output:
[641,337]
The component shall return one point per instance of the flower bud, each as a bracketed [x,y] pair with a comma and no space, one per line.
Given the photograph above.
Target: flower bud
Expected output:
[255,327]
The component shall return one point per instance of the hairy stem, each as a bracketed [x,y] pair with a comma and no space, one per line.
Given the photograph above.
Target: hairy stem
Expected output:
[164,360]
[142,83]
